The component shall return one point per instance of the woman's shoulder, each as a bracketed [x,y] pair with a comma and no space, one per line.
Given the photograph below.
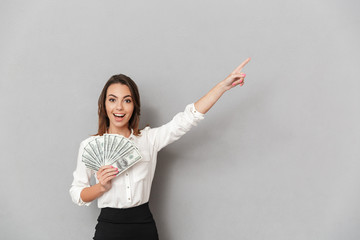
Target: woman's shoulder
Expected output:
[146,129]
[143,133]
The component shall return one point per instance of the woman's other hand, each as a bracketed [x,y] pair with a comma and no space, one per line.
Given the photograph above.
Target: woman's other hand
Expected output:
[204,104]
[236,77]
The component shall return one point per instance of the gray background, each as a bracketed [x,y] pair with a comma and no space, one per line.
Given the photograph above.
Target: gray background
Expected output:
[275,159]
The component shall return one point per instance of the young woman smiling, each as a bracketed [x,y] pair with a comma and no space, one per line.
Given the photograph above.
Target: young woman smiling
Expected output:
[123,199]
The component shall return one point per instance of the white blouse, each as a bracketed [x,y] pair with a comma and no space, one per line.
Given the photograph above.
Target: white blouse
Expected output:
[132,188]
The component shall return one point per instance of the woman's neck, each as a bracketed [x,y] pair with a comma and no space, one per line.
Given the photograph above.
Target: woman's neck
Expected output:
[125,132]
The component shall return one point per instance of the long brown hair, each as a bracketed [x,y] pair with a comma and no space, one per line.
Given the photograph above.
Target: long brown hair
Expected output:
[104,121]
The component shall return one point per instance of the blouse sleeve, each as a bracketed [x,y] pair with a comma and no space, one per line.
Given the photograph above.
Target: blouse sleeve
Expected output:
[82,176]
[177,127]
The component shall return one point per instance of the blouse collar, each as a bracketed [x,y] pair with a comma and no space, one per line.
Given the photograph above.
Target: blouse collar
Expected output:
[131,137]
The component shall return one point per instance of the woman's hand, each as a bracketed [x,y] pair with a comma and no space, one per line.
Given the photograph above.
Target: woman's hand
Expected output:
[236,77]
[104,175]
[204,104]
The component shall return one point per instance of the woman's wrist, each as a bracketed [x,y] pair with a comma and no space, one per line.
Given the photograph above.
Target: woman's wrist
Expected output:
[89,194]
[221,86]
[101,188]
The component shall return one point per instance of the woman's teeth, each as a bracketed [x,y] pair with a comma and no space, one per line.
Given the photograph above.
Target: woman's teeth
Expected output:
[119,115]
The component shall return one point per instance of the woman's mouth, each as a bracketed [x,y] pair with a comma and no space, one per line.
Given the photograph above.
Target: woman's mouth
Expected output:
[118,116]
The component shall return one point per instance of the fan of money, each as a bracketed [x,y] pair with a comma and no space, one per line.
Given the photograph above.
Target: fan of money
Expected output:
[111,149]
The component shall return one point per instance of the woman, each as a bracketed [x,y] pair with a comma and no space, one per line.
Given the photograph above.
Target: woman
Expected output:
[123,199]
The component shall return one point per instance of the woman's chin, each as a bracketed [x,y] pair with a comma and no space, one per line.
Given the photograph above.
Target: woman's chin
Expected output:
[119,124]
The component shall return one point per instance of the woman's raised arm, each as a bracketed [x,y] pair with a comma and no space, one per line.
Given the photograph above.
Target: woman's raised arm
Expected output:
[235,78]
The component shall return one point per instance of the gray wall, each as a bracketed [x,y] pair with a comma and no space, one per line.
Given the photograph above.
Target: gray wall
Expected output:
[275,159]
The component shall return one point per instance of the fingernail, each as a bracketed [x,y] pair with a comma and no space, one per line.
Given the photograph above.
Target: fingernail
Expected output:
[243,74]
[233,84]
[112,166]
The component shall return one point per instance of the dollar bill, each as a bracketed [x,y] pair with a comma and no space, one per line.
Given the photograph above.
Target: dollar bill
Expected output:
[110,149]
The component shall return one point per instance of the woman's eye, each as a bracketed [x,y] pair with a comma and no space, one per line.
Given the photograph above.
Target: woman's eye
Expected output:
[127,100]
[112,100]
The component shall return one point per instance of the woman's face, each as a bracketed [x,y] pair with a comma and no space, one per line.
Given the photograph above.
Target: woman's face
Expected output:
[119,106]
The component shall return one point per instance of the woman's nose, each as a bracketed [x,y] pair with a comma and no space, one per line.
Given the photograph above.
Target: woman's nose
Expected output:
[119,106]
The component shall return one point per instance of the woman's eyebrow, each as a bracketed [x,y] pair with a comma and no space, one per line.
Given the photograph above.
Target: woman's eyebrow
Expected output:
[126,96]
[117,97]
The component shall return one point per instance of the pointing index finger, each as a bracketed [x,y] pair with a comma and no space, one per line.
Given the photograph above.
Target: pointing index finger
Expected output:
[240,67]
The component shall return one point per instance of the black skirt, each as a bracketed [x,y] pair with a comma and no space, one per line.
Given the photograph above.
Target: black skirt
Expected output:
[134,223]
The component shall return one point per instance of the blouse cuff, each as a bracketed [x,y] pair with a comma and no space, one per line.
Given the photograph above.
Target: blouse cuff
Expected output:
[82,203]
[75,192]
[193,115]
[196,113]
